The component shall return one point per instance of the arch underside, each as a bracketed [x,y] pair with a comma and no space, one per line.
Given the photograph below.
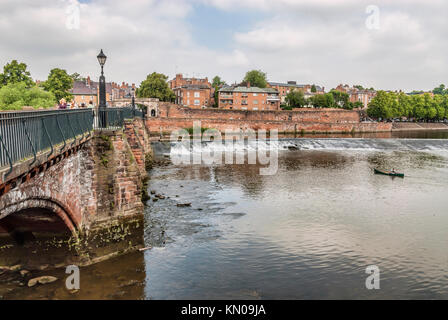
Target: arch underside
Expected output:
[26,219]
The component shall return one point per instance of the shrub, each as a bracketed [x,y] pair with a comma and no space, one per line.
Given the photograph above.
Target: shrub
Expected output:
[15,96]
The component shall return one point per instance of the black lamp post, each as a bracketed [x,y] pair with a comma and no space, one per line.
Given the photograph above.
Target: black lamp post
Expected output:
[102,90]
[133,97]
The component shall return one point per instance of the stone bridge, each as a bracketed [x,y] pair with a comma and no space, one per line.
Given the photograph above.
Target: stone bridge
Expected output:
[89,189]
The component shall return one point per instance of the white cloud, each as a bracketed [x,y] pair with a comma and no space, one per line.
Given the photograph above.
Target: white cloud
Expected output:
[322,41]
[235,59]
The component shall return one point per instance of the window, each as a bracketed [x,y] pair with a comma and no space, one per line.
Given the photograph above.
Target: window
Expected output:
[197,94]
[188,101]
[255,102]
[197,102]
[255,94]
[243,108]
[255,109]
[188,93]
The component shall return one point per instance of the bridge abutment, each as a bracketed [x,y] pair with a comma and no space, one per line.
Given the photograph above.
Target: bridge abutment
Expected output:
[94,197]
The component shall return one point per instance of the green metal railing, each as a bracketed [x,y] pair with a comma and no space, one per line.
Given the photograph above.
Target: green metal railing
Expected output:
[26,133]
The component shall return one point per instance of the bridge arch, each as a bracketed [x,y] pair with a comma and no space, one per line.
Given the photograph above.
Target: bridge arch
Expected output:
[36,215]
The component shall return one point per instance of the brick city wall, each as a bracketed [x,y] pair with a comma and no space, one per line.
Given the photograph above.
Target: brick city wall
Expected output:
[173,117]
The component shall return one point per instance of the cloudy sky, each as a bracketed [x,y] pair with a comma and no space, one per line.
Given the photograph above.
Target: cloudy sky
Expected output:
[400,44]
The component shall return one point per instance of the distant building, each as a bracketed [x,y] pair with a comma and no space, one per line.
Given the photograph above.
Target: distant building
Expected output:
[285,88]
[362,95]
[249,98]
[87,91]
[192,92]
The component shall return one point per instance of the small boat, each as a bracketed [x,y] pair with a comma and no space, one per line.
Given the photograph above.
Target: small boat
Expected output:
[389,173]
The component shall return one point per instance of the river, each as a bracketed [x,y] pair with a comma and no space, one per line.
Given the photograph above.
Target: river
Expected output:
[307,232]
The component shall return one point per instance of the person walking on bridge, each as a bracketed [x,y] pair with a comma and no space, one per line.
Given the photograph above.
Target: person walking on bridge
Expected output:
[62,104]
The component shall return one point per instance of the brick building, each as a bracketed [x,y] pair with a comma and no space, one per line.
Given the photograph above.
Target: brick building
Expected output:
[87,91]
[285,88]
[249,98]
[192,92]
[355,94]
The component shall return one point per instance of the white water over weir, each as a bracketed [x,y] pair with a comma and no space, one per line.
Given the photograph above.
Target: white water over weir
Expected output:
[331,144]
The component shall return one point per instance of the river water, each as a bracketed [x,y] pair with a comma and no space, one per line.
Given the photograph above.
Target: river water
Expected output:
[307,232]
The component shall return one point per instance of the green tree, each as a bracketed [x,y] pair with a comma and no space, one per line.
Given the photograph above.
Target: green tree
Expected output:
[295,99]
[256,78]
[217,83]
[77,77]
[323,101]
[442,90]
[341,99]
[59,83]
[313,88]
[15,72]
[14,96]
[380,106]
[156,86]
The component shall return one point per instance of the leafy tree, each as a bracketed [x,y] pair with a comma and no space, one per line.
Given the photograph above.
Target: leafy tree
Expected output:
[380,106]
[59,83]
[217,83]
[442,90]
[77,77]
[296,99]
[155,86]
[313,88]
[359,87]
[14,96]
[323,101]
[15,72]
[256,78]
[341,99]
[356,104]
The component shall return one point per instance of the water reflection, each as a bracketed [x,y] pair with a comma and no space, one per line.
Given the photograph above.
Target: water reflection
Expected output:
[307,232]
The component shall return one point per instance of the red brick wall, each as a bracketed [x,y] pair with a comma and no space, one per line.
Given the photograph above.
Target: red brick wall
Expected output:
[174,117]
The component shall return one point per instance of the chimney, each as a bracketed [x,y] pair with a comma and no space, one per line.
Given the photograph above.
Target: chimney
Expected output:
[88,81]
[133,86]
[248,84]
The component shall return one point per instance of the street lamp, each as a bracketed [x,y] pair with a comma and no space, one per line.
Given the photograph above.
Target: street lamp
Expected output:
[102,90]
[133,97]
[102,60]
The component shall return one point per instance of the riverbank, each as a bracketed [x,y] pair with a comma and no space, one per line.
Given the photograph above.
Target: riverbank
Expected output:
[415,126]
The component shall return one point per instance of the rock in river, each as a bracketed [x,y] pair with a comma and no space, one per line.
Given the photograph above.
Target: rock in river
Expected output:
[184,204]
[41,280]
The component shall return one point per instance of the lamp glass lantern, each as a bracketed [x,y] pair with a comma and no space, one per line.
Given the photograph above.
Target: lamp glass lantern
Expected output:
[102,58]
